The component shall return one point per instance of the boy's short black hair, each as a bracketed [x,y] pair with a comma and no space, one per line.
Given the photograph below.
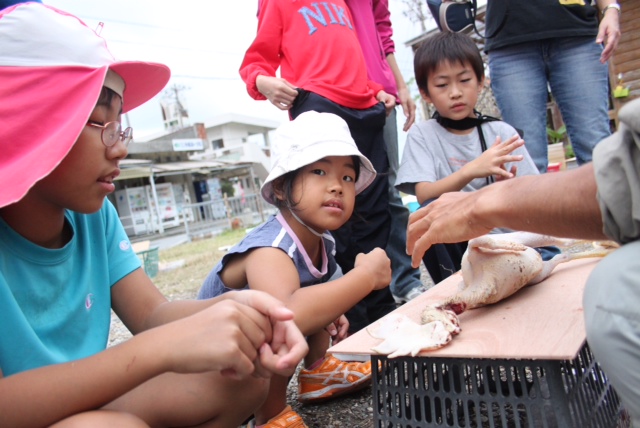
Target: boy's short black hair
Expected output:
[445,47]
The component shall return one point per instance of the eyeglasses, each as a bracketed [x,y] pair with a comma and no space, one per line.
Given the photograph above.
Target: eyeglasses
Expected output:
[112,132]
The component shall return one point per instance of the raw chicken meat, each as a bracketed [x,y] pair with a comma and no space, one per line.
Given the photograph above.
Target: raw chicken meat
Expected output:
[493,268]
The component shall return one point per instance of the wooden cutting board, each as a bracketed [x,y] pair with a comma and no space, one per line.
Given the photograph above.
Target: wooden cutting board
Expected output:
[541,322]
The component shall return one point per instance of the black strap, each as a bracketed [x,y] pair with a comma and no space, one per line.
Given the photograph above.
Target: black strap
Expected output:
[474,6]
[483,145]
[468,123]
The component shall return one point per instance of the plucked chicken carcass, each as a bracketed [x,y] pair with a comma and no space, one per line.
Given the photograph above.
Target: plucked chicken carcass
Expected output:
[493,268]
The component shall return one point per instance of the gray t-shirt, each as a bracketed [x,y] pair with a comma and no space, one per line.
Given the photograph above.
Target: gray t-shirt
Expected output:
[432,153]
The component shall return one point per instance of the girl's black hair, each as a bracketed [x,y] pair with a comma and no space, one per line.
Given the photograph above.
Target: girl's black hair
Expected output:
[284,184]
[445,47]
[106,97]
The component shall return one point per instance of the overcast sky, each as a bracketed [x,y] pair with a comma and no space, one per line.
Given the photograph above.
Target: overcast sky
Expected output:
[203,42]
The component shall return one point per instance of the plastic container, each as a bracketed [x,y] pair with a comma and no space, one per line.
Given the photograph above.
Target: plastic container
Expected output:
[150,259]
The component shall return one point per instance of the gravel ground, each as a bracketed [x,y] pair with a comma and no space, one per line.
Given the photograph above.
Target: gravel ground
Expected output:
[182,270]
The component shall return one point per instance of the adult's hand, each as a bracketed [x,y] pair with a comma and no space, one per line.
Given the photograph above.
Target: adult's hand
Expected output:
[449,219]
[609,34]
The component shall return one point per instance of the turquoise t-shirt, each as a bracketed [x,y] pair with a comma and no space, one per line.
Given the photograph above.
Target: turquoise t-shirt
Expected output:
[55,305]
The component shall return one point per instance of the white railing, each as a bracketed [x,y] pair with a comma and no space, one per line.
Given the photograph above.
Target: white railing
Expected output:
[212,217]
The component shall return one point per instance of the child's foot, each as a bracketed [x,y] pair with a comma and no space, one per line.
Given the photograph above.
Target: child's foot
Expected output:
[285,419]
[331,379]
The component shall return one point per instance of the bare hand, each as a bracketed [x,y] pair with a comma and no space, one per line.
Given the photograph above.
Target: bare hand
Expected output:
[447,220]
[338,329]
[287,346]
[228,336]
[408,108]
[388,100]
[492,160]
[285,351]
[280,92]
[609,34]
[378,265]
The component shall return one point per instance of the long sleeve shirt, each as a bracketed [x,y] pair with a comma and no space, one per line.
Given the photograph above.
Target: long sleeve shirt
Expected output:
[316,48]
[372,20]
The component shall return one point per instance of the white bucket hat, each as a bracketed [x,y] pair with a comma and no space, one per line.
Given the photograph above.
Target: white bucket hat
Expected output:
[308,138]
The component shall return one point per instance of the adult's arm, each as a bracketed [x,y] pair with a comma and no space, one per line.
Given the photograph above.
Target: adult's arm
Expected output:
[404,96]
[562,204]
[384,28]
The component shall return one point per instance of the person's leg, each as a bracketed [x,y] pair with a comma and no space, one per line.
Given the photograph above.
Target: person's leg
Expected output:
[175,399]
[275,402]
[519,84]
[370,224]
[101,419]
[368,227]
[580,85]
[443,260]
[405,277]
[612,321]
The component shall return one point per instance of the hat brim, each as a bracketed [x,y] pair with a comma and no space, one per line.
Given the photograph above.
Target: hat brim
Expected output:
[143,81]
[44,109]
[314,153]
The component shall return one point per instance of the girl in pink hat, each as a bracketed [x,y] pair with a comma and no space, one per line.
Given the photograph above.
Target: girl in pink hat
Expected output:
[66,262]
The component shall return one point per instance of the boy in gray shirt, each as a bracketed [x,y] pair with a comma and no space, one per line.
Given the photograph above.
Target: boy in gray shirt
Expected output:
[450,152]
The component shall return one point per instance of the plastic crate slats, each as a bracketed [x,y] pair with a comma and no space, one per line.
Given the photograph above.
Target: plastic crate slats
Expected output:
[477,393]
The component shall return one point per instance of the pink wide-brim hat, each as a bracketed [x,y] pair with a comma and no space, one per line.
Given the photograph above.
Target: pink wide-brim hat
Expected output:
[52,70]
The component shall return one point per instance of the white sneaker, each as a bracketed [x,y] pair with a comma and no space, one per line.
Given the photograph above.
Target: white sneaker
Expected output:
[411,294]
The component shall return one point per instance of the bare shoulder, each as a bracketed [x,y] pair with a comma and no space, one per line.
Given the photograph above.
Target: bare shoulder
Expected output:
[263,259]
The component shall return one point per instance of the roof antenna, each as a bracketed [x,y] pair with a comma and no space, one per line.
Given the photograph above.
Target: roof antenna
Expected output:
[99,28]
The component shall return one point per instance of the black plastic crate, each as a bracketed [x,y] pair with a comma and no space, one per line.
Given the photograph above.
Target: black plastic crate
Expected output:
[411,392]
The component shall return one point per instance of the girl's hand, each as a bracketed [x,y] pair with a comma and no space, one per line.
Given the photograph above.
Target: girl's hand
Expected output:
[378,265]
[492,161]
[388,100]
[277,90]
[338,329]
[230,337]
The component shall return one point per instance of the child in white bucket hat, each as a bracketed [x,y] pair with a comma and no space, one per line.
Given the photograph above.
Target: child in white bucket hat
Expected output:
[317,170]
[65,260]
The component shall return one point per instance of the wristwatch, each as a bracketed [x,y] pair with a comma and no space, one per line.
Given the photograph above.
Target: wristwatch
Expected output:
[615,6]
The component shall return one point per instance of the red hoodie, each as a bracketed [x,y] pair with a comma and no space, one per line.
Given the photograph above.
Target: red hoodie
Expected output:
[316,46]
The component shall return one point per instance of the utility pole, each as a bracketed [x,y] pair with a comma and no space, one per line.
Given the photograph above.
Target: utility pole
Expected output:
[173,111]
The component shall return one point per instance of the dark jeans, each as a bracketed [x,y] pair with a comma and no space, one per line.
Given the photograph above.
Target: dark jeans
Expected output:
[368,227]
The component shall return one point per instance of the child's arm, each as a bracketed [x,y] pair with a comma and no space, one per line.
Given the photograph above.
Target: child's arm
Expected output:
[277,90]
[490,162]
[226,337]
[316,306]
[262,58]
[141,307]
